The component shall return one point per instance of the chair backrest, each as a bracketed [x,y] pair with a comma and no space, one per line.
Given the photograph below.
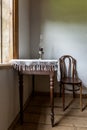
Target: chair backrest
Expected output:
[67,66]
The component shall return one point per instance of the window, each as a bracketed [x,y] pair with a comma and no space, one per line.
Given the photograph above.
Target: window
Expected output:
[8,30]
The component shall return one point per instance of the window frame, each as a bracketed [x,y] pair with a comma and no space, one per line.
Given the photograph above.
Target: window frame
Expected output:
[15,30]
[15,34]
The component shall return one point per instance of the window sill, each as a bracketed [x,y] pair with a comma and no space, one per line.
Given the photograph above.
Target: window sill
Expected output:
[5,66]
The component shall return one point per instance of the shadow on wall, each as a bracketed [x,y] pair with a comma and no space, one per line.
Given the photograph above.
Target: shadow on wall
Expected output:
[35,27]
[64,11]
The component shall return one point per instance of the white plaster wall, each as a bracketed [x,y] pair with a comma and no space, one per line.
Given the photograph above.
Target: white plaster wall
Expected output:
[9,91]
[63,27]
[64,31]
[63,38]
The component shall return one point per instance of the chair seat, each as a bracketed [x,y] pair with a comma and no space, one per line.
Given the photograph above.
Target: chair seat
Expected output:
[71,81]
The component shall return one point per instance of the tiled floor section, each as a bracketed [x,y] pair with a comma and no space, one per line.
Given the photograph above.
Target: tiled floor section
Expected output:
[37,115]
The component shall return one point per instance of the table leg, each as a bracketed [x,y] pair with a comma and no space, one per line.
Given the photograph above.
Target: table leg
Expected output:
[21,96]
[52,98]
[33,84]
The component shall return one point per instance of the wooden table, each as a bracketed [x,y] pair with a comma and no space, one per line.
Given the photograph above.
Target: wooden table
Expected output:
[36,67]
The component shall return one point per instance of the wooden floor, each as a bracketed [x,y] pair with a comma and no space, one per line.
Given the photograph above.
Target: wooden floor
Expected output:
[37,115]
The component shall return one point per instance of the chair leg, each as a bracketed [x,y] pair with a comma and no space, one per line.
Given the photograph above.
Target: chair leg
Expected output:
[60,89]
[81,97]
[63,89]
[73,92]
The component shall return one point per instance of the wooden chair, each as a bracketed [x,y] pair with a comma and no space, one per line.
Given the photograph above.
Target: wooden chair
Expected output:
[68,76]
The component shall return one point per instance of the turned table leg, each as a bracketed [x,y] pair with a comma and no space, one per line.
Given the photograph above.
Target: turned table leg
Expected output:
[52,98]
[21,96]
[33,84]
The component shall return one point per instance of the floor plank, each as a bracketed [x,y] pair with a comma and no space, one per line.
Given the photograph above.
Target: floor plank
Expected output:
[37,115]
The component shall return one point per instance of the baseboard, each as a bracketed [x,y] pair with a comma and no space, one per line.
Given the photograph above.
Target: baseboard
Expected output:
[37,93]
[11,127]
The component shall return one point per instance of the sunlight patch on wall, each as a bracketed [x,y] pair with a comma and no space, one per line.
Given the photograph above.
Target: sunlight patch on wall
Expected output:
[62,38]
